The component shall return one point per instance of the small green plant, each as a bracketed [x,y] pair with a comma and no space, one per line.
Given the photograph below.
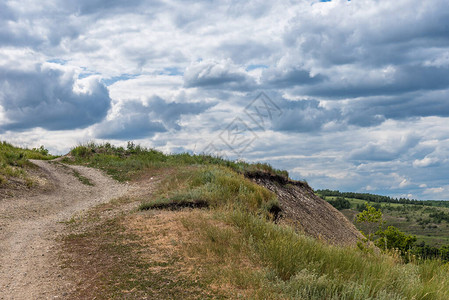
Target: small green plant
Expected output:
[41,150]
[82,179]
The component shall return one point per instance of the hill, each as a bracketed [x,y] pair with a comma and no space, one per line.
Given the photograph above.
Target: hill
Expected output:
[194,227]
[16,172]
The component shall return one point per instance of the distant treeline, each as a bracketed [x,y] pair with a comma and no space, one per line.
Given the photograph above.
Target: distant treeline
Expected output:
[424,251]
[380,199]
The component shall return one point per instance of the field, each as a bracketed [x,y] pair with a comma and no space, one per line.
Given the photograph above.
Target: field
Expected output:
[429,223]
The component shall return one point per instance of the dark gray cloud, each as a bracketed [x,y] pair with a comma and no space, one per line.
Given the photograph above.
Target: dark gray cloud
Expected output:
[136,120]
[13,32]
[303,116]
[218,75]
[373,33]
[102,7]
[130,126]
[46,98]
[361,50]
[375,110]
[400,80]
[288,77]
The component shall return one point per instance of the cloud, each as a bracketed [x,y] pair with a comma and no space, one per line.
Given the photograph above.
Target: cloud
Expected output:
[391,80]
[347,32]
[426,162]
[51,98]
[288,77]
[130,126]
[217,75]
[137,120]
[366,48]
[436,192]
[14,32]
[303,116]
[363,85]
[87,7]
[386,150]
[243,52]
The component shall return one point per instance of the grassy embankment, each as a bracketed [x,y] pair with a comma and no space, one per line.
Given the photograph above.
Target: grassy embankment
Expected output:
[230,247]
[14,163]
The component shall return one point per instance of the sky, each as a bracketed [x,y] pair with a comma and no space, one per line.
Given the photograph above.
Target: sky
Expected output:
[348,95]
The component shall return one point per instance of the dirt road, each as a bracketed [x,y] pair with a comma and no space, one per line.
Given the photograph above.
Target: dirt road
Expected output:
[30,226]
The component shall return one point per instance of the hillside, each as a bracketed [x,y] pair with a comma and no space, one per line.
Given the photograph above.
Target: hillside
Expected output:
[190,227]
[301,208]
[427,220]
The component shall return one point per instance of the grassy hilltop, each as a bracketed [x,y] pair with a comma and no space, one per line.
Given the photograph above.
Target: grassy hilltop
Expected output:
[14,164]
[204,230]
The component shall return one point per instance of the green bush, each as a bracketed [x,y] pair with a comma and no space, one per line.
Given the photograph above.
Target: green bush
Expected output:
[393,238]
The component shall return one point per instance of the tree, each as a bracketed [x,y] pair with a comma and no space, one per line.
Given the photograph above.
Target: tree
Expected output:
[340,203]
[371,221]
[393,238]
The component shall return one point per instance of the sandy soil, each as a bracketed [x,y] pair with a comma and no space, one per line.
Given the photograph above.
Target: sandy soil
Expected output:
[30,226]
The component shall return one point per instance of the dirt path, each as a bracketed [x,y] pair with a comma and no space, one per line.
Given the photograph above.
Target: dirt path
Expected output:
[30,226]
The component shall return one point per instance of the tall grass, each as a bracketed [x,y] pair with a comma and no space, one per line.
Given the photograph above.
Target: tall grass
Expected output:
[289,265]
[217,187]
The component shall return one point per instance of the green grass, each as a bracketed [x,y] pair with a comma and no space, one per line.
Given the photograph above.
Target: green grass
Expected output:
[14,161]
[215,187]
[124,164]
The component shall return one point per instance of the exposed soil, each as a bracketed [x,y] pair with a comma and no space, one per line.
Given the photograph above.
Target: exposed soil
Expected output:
[300,207]
[30,225]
